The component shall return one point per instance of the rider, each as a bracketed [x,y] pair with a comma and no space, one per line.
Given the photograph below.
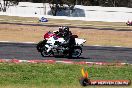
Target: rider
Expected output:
[69,39]
[63,32]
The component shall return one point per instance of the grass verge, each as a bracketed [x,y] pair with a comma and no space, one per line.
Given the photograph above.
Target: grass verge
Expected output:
[57,75]
[90,24]
[28,33]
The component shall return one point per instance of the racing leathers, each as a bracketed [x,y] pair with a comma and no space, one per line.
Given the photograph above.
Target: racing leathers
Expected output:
[69,41]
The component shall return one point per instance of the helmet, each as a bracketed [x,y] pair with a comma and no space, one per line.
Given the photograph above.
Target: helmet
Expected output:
[65,28]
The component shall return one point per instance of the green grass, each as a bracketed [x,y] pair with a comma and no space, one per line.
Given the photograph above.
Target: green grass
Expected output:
[56,75]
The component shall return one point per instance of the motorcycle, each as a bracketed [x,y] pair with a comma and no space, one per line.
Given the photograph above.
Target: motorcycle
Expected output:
[51,46]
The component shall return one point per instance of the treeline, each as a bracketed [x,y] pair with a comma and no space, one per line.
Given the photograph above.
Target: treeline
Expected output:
[105,3]
[58,5]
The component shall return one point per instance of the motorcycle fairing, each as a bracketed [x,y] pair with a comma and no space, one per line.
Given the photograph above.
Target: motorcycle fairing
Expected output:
[79,41]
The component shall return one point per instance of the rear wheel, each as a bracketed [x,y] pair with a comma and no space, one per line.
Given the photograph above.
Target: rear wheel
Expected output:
[76,52]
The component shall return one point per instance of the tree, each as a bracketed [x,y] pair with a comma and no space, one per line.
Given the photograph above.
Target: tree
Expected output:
[58,5]
[86,2]
[113,3]
[6,3]
[129,3]
[78,2]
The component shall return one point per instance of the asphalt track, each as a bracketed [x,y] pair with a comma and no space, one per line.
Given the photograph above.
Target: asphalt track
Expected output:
[90,53]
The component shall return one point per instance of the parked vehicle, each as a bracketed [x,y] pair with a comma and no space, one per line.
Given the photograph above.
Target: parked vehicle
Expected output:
[129,23]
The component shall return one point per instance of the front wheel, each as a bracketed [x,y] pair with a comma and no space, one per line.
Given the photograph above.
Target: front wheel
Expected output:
[77,51]
[40,45]
[44,52]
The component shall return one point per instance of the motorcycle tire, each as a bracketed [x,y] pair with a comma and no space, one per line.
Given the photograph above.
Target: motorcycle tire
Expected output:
[76,52]
[40,45]
[44,52]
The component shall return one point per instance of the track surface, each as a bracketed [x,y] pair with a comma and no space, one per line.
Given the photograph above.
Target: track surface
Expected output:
[90,53]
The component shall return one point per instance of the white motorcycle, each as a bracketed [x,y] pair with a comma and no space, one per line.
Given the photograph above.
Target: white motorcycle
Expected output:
[51,46]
